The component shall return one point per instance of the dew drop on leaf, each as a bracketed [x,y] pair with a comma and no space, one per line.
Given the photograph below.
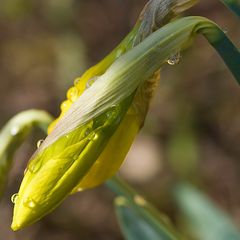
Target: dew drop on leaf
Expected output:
[139,200]
[174,59]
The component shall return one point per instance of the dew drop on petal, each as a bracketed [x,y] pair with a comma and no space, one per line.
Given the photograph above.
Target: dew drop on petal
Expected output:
[72,94]
[174,59]
[65,105]
[14,198]
[14,130]
[76,81]
[91,81]
[28,202]
[39,143]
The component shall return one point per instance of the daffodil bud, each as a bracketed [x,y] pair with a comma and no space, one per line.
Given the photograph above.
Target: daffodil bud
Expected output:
[104,111]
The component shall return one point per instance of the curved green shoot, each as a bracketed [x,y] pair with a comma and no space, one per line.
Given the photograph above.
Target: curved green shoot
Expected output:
[202,217]
[14,133]
[233,5]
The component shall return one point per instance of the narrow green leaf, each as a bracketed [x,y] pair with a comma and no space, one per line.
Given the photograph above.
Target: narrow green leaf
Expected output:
[137,217]
[233,5]
[204,219]
[14,133]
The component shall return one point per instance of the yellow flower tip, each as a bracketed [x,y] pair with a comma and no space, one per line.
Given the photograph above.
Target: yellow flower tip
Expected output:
[26,212]
[22,218]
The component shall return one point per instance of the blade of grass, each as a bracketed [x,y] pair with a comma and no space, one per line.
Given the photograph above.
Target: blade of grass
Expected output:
[14,133]
[204,219]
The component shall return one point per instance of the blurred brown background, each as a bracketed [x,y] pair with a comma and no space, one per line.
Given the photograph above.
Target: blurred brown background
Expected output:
[192,132]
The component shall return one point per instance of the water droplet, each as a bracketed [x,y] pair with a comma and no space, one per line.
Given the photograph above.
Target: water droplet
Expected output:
[14,130]
[91,81]
[95,137]
[14,198]
[66,105]
[76,81]
[174,59]
[87,132]
[39,143]
[139,200]
[75,157]
[35,165]
[28,202]
[72,94]
[121,201]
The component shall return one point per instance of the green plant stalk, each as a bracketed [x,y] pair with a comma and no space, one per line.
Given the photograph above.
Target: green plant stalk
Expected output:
[141,206]
[14,133]
[233,5]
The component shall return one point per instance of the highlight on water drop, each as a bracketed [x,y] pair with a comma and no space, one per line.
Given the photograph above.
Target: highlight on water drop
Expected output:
[65,105]
[14,130]
[72,94]
[30,203]
[91,81]
[39,143]
[14,198]
[174,59]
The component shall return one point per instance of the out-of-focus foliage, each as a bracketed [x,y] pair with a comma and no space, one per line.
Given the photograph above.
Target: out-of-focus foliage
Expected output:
[202,217]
